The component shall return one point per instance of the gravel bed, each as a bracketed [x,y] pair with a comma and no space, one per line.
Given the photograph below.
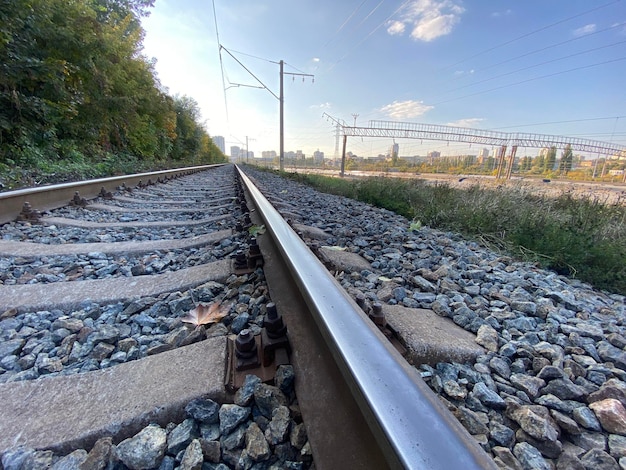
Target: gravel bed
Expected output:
[96,265]
[103,216]
[262,429]
[53,235]
[550,391]
[57,342]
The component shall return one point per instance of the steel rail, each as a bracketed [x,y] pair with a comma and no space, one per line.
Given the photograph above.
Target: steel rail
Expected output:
[411,425]
[58,195]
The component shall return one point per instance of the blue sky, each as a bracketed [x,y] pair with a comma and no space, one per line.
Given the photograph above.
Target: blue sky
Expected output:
[516,66]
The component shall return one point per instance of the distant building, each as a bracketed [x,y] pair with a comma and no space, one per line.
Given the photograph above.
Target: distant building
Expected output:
[432,155]
[268,154]
[300,155]
[219,142]
[483,155]
[318,156]
[393,150]
[235,152]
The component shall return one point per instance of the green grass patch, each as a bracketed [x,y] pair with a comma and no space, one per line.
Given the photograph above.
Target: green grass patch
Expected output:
[584,238]
[76,167]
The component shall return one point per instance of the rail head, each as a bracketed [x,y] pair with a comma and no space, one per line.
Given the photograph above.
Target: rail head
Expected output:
[411,425]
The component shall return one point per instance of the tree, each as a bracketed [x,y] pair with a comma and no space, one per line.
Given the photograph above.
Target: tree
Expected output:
[550,160]
[567,157]
[525,163]
[539,163]
[74,84]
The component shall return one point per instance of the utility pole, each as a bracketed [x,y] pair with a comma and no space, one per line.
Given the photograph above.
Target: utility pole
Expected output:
[343,156]
[355,116]
[247,152]
[281,99]
[282,109]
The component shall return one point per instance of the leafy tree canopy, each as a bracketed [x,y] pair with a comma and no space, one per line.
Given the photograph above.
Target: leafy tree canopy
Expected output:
[74,85]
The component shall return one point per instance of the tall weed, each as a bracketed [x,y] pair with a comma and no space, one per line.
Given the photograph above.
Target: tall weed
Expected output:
[583,238]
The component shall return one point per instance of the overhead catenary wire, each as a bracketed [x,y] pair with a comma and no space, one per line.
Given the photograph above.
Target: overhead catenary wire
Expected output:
[532,79]
[543,28]
[545,48]
[248,70]
[219,51]
[536,65]
[371,33]
[354,12]
[370,13]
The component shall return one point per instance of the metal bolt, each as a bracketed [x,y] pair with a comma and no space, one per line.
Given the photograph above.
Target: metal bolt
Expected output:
[360,299]
[273,322]
[254,247]
[377,315]
[78,201]
[241,260]
[105,194]
[28,213]
[245,345]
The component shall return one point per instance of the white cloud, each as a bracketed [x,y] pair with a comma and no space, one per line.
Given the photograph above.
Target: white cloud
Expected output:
[405,109]
[588,28]
[396,27]
[316,59]
[497,14]
[467,122]
[427,19]
[326,105]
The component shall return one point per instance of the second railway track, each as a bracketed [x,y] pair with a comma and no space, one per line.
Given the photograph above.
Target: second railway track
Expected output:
[94,347]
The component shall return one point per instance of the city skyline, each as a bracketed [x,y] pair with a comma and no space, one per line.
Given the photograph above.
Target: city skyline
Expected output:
[493,65]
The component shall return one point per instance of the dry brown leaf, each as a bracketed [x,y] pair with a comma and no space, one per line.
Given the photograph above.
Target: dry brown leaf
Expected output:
[205,314]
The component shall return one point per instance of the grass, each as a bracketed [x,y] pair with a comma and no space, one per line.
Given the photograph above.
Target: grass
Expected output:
[584,238]
[53,171]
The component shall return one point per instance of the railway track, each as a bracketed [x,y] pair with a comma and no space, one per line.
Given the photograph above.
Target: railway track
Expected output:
[97,317]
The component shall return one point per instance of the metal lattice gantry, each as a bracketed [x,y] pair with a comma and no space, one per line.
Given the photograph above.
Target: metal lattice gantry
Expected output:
[411,130]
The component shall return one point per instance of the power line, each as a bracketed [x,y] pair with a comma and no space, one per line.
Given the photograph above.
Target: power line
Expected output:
[247,70]
[371,13]
[371,32]
[254,56]
[219,51]
[550,47]
[295,68]
[532,79]
[345,23]
[536,65]
[543,28]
